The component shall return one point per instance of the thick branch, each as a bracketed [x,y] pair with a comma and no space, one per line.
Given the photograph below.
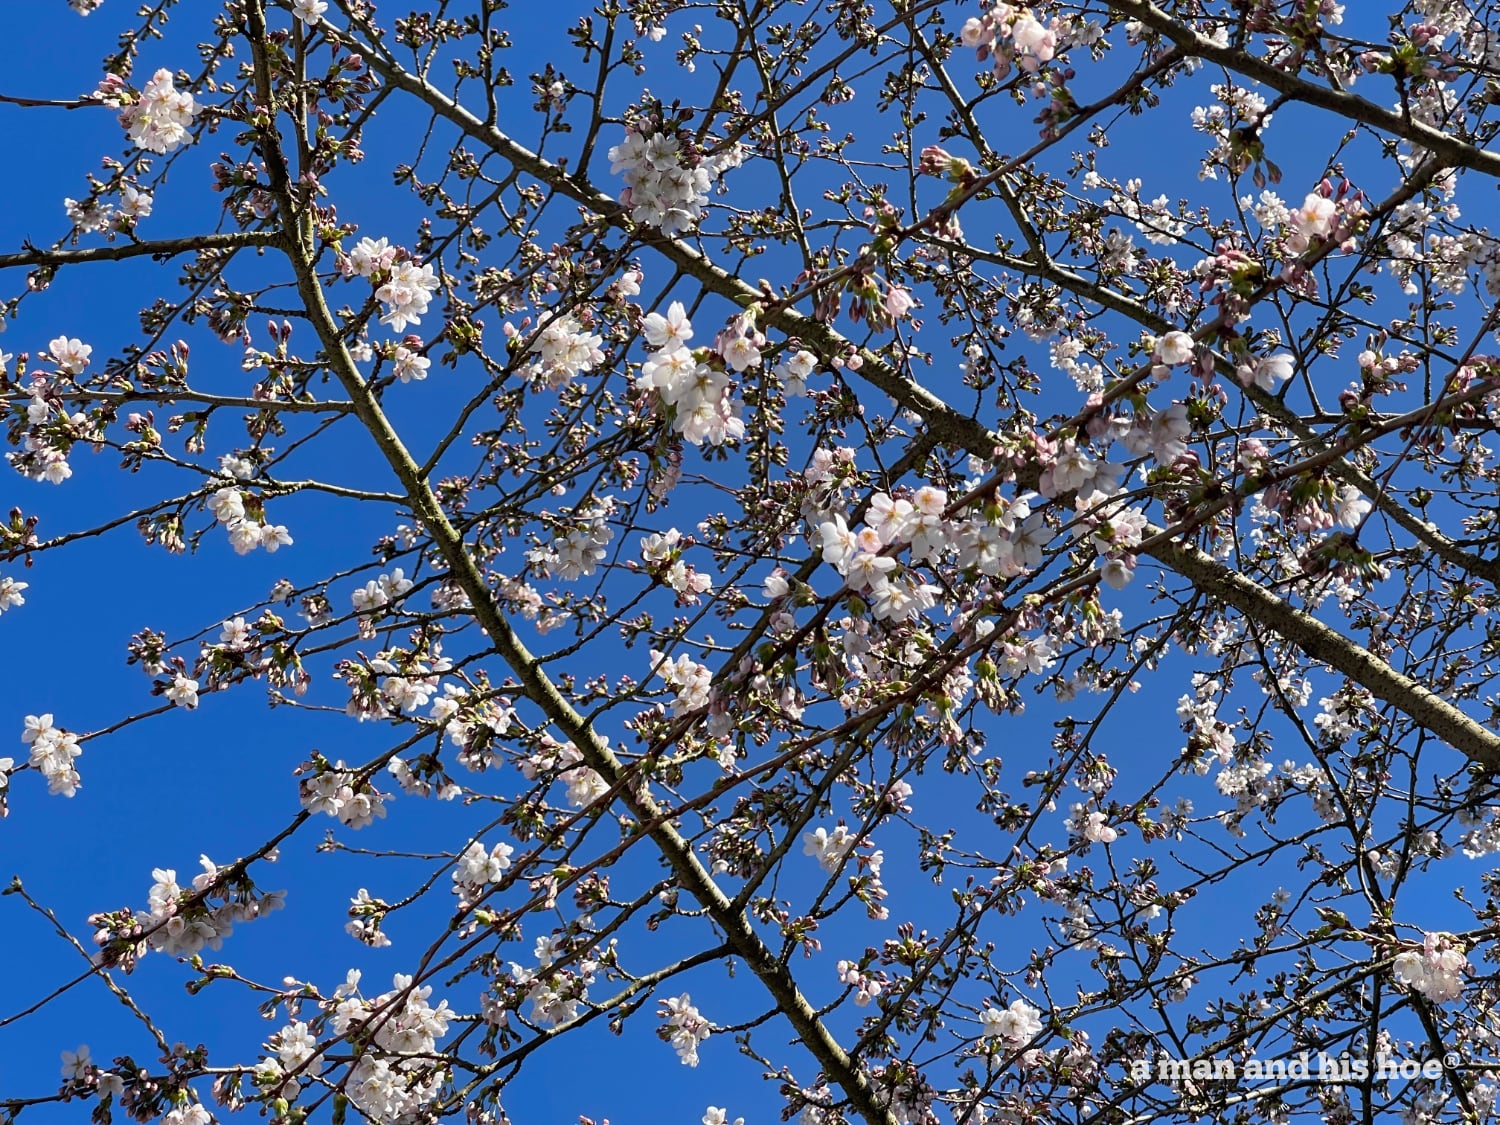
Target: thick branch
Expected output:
[538,686]
[953,427]
[188,396]
[1268,404]
[163,248]
[1452,151]
[1332,647]
[1300,628]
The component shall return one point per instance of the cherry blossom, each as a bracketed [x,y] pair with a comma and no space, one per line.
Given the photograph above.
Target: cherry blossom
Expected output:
[565,350]
[691,681]
[10,592]
[478,867]
[183,692]
[1174,348]
[1436,970]
[828,848]
[408,366]
[407,291]
[387,590]
[369,258]
[70,354]
[159,121]
[699,395]
[685,1027]
[53,752]
[1018,1023]
[794,371]
[1091,825]
[1142,517]
[337,792]
[1314,219]
[1268,372]
[866,987]
[665,186]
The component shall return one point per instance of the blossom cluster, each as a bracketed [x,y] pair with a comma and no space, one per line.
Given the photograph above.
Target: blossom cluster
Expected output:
[525,601]
[1248,780]
[867,986]
[478,867]
[246,531]
[407,365]
[554,993]
[1154,218]
[584,784]
[1266,372]
[44,457]
[1198,714]
[1315,219]
[393,1076]
[1482,837]
[794,370]
[666,180]
[51,433]
[579,551]
[1328,214]
[381,593]
[829,848]
[662,554]
[1339,715]
[697,391]
[1017,1024]
[471,726]
[1240,111]
[425,781]
[564,349]
[1004,537]
[1090,825]
[339,792]
[392,682]
[366,918]
[181,921]
[402,284]
[1436,970]
[1327,505]
[1012,33]
[53,751]
[96,215]
[685,1027]
[564,761]
[159,120]
[79,1067]
[692,682]
[1450,258]
[1006,541]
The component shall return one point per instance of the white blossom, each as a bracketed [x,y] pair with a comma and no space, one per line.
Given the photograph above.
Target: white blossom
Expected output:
[1016,1024]
[160,119]
[685,1027]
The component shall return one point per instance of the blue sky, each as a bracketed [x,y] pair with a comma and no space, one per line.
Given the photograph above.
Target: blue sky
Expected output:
[158,793]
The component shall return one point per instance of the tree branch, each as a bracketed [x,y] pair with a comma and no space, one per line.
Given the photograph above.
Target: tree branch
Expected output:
[953,427]
[163,248]
[1452,151]
[538,686]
